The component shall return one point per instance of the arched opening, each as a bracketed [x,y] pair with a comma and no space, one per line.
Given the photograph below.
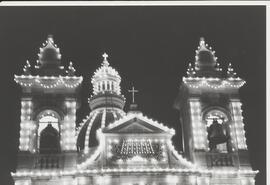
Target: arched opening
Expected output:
[49,140]
[48,132]
[217,129]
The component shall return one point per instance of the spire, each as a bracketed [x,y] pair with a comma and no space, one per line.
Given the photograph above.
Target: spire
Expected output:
[49,53]
[206,64]
[49,59]
[230,71]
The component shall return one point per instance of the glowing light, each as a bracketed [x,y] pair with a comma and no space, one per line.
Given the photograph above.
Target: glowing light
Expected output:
[48,82]
[238,125]
[213,83]
[106,79]
[86,141]
[27,126]
[143,118]
[198,128]
[42,173]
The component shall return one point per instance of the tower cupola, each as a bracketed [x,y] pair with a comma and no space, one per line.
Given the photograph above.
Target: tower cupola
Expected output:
[49,59]
[205,61]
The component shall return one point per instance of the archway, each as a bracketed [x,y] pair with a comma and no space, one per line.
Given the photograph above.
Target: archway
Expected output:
[48,132]
[49,140]
[217,129]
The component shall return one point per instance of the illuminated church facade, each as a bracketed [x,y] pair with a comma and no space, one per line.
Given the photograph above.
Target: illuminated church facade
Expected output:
[114,147]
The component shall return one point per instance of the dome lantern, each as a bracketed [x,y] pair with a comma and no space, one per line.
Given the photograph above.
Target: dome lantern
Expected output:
[106,79]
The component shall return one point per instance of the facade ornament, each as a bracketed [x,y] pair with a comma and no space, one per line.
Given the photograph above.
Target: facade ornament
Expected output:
[71,70]
[190,71]
[230,71]
[27,68]
[133,91]
[105,61]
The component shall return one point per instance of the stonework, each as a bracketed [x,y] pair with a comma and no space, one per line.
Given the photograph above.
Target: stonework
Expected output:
[112,146]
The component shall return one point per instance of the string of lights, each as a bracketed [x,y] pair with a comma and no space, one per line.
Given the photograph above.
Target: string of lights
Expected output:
[48,82]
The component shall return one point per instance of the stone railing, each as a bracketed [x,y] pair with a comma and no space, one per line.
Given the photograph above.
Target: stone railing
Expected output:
[220,159]
[48,161]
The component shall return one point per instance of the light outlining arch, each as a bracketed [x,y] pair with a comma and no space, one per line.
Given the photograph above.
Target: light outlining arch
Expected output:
[43,118]
[56,110]
[226,124]
[224,111]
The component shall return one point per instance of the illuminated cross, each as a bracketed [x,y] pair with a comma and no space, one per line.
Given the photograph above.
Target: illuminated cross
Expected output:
[105,56]
[133,91]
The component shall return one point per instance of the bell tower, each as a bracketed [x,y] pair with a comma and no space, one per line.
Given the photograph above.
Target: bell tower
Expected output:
[48,111]
[211,114]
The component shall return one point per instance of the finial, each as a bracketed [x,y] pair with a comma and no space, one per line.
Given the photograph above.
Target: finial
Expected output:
[105,61]
[37,66]
[50,38]
[27,63]
[202,41]
[230,71]
[105,56]
[190,70]
[26,68]
[133,91]
[71,70]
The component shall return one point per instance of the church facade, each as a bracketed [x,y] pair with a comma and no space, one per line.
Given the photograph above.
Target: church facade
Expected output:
[114,147]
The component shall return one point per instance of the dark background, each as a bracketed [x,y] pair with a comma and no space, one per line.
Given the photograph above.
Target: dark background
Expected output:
[150,47]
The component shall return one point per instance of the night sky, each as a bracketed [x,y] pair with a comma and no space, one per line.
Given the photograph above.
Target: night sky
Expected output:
[150,47]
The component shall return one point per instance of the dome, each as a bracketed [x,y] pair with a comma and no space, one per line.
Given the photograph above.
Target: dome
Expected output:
[99,118]
[106,104]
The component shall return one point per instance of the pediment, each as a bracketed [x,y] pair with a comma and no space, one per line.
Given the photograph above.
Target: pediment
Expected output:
[135,125]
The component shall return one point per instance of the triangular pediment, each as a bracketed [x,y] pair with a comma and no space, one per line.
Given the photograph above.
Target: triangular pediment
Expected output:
[136,125]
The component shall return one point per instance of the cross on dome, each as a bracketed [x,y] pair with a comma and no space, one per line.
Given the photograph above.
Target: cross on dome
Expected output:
[106,78]
[105,56]
[105,61]
[133,91]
